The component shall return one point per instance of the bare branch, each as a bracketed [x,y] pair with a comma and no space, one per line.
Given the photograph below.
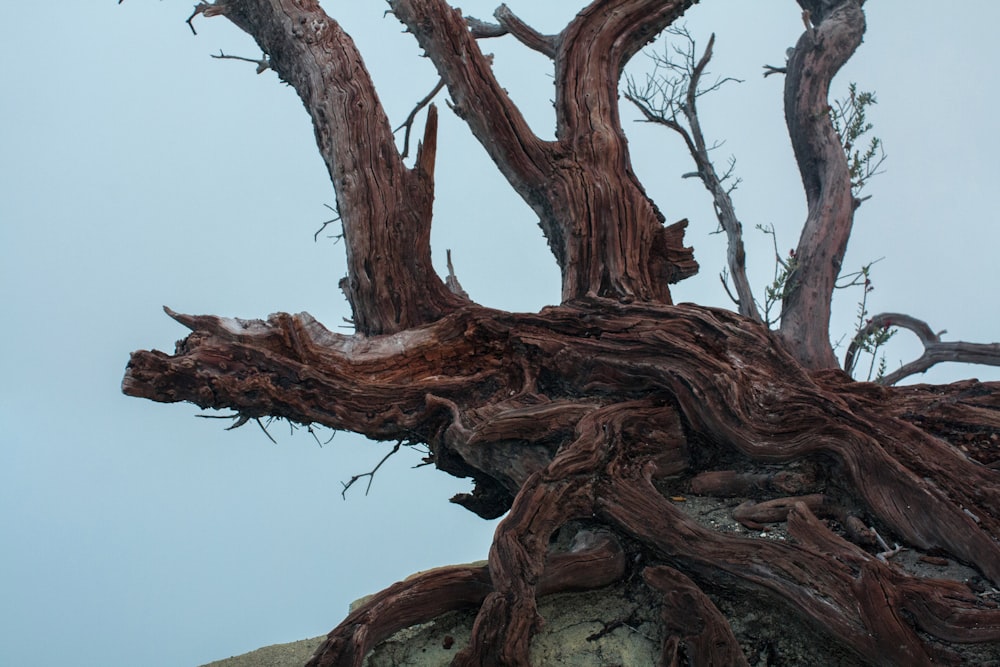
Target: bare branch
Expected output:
[326,223]
[935,352]
[385,207]
[207,10]
[636,256]
[262,63]
[370,474]
[666,99]
[408,123]
[510,23]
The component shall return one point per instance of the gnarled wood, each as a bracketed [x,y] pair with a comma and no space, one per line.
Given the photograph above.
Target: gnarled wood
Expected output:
[935,352]
[385,207]
[584,179]
[597,561]
[603,413]
[818,55]
[596,452]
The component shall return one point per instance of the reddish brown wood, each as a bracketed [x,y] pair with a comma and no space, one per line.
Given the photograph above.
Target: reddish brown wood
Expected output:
[697,634]
[736,390]
[385,207]
[584,178]
[819,54]
[593,413]
[598,562]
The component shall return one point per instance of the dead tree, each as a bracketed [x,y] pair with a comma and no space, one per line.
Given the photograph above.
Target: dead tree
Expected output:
[597,412]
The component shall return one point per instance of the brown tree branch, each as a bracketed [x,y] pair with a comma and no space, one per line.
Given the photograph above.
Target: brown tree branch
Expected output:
[935,352]
[510,24]
[476,95]
[385,207]
[635,257]
[607,236]
[819,54]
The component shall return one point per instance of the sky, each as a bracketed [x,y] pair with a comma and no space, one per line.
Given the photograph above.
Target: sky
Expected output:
[138,172]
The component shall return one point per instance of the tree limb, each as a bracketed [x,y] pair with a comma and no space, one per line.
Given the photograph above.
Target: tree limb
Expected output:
[510,24]
[935,352]
[819,54]
[385,207]
[573,183]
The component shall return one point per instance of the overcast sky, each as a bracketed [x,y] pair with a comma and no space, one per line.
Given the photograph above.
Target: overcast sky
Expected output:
[138,172]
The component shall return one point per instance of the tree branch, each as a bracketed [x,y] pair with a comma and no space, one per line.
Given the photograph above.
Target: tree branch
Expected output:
[664,98]
[476,95]
[607,236]
[817,57]
[935,352]
[510,24]
[385,207]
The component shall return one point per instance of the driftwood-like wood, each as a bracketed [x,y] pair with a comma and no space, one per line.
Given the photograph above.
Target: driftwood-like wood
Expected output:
[601,414]
[575,425]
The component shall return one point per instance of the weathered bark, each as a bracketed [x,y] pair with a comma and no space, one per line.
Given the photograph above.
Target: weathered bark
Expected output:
[385,207]
[601,414]
[584,179]
[819,54]
[596,562]
[573,425]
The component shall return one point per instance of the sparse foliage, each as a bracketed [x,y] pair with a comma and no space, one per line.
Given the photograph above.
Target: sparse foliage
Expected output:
[850,121]
[868,340]
[784,269]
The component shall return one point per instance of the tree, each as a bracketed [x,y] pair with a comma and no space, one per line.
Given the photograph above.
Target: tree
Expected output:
[591,416]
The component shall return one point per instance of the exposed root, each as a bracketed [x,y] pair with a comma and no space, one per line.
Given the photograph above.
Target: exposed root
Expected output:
[666,401]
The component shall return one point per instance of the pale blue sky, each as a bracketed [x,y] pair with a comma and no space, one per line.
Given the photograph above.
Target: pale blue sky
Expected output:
[137,172]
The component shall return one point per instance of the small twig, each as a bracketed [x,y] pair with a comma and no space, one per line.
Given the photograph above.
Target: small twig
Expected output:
[312,432]
[724,279]
[887,552]
[240,420]
[408,123]
[262,64]
[370,474]
[232,416]
[264,429]
[329,222]
[510,24]
[207,10]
